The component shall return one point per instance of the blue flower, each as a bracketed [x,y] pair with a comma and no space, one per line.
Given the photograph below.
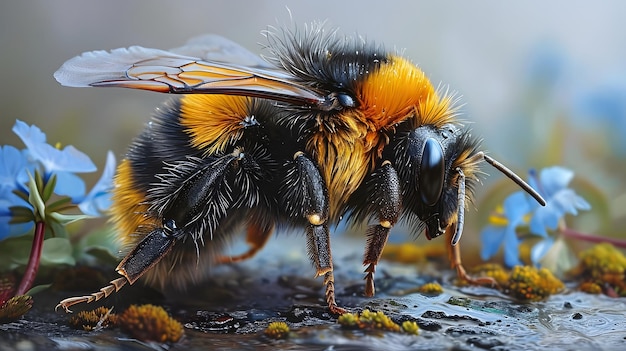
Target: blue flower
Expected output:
[64,163]
[17,167]
[560,200]
[521,210]
[515,207]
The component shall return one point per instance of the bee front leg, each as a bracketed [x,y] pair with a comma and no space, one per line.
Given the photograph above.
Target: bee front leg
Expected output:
[454,252]
[386,196]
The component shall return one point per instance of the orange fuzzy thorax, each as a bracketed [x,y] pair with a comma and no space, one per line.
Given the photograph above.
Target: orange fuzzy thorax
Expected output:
[349,144]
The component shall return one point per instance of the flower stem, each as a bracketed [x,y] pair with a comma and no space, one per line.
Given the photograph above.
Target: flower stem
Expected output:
[570,233]
[33,260]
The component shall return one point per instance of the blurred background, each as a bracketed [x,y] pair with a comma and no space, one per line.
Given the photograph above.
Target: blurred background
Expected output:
[543,83]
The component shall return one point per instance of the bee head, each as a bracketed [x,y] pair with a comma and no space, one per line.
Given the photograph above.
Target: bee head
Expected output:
[436,161]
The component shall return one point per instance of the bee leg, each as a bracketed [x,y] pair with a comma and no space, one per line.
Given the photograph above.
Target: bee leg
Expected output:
[385,192]
[256,238]
[454,251]
[305,196]
[148,252]
[154,246]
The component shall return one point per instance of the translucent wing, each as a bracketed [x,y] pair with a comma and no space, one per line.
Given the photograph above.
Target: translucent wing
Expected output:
[212,47]
[174,72]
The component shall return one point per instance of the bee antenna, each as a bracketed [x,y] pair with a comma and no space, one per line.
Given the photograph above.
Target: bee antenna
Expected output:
[114,286]
[514,177]
[461,208]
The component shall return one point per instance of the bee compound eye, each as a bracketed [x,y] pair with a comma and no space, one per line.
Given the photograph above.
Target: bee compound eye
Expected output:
[431,172]
[346,100]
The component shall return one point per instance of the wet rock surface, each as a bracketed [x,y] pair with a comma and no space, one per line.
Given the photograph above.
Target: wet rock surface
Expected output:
[232,310]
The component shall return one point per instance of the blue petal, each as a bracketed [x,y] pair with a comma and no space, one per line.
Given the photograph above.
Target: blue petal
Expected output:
[68,160]
[516,207]
[71,159]
[511,247]
[14,168]
[31,135]
[545,217]
[98,200]
[8,229]
[540,249]
[554,179]
[491,237]
[563,201]
[567,201]
[69,184]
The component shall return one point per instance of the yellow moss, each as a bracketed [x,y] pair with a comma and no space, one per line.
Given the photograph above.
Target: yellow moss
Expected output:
[410,327]
[277,330]
[89,320]
[378,320]
[150,323]
[590,288]
[368,320]
[531,284]
[431,289]
[603,265]
[493,270]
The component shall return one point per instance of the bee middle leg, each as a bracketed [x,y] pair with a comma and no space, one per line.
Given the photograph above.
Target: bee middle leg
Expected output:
[304,195]
[386,196]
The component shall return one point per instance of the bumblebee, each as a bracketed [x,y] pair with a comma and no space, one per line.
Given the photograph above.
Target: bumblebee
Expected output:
[325,128]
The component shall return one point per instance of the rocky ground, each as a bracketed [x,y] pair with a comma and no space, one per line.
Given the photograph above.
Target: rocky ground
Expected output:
[233,309]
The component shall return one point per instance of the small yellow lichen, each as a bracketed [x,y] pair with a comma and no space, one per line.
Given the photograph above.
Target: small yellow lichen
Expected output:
[89,320]
[590,288]
[368,320]
[348,320]
[602,265]
[410,327]
[378,320]
[431,289]
[150,323]
[528,283]
[493,270]
[277,330]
